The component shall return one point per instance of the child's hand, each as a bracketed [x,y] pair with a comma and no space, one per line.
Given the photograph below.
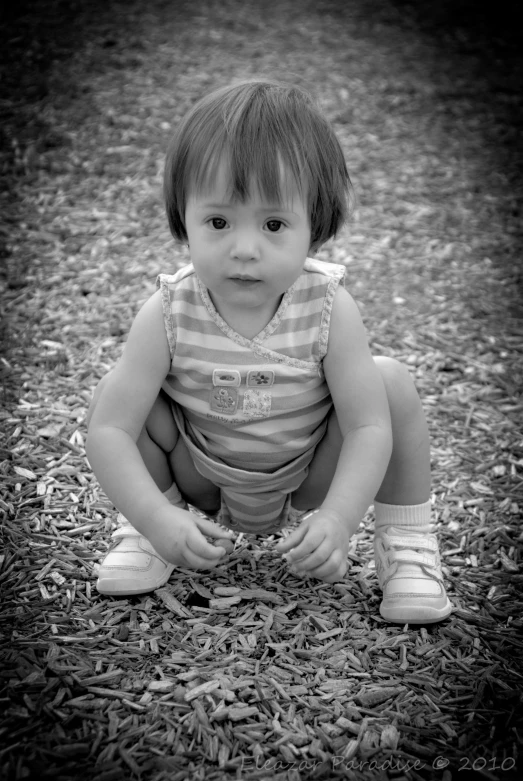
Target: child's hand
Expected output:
[178,536]
[318,547]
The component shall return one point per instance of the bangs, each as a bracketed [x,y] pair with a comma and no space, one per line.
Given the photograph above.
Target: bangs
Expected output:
[251,155]
[263,135]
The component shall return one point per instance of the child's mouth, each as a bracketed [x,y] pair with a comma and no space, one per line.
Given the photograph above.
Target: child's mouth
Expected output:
[245,281]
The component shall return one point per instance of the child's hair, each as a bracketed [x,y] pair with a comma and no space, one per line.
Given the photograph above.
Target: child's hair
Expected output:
[258,127]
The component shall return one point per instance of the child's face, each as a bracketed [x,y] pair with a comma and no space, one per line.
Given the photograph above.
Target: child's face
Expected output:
[246,254]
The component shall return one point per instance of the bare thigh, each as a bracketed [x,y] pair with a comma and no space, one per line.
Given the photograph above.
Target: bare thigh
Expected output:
[162,430]
[313,490]
[160,440]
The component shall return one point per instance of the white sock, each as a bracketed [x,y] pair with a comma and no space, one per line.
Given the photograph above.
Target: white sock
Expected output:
[414,516]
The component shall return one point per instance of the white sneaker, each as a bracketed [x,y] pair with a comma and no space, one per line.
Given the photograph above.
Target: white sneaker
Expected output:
[132,566]
[409,573]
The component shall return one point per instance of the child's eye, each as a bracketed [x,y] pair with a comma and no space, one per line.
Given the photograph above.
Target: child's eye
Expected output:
[218,223]
[274,225]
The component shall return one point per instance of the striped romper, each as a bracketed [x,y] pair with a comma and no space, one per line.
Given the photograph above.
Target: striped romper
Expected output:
[251,411]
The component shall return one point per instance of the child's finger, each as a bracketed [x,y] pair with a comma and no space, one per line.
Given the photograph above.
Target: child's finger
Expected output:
[200,562]
[337,575]
[199,546]
[212,529]
[292,540]
[308,544]
[331,566]
[310,562]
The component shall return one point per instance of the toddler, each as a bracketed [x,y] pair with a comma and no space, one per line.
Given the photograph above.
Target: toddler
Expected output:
[246,388]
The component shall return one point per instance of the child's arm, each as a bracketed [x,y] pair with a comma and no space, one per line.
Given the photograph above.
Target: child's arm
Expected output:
[319,545]
[119,416]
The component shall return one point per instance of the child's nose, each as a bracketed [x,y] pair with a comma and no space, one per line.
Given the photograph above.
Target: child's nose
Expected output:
[245,246]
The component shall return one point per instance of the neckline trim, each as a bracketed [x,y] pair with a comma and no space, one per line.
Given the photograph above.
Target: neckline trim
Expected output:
[269,329]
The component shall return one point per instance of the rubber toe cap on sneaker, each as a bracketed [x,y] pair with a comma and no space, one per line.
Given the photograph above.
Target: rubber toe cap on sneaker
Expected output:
[411,610]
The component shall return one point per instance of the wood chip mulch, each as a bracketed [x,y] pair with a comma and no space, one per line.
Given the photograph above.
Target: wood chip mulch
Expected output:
[248,671]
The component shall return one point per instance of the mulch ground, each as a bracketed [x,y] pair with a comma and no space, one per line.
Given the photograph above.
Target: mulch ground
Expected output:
[248,672]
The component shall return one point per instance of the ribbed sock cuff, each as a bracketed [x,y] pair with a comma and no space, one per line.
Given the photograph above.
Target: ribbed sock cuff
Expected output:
[402,514]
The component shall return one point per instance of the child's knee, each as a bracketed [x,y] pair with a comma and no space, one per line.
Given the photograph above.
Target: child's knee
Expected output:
[392,370]
[397,379]
[404,402]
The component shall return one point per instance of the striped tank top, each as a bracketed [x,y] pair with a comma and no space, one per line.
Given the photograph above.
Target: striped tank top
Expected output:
[251,411]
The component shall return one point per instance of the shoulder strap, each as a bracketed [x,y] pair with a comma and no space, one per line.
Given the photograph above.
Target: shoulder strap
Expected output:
[334,270]
[166,284]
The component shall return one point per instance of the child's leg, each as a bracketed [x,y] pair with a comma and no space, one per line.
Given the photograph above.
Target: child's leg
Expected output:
[408,569]
[407,480]
[406,553]
[164,454]
[133,566]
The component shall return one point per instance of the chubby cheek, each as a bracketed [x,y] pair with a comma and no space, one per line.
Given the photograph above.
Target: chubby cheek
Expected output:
[202,253]
[205,271]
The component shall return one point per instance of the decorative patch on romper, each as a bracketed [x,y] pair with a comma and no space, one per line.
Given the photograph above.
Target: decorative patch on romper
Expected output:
[256,404]
[224,400]
[258,377]
[229,377]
